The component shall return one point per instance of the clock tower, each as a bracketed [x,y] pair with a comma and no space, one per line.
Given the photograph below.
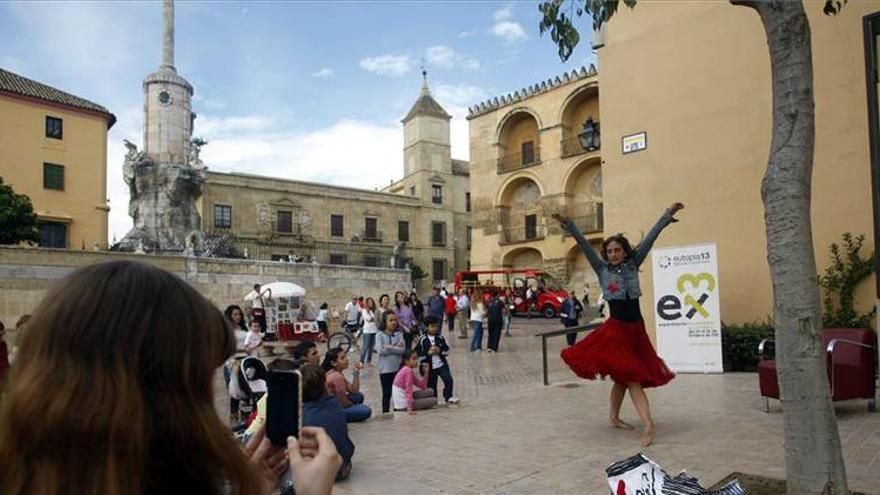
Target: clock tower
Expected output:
[168,115]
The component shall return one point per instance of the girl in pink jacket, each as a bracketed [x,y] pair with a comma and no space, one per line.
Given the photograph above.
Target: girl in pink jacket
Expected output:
[409,391]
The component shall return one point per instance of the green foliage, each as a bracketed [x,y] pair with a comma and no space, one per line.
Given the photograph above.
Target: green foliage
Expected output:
[848,269]
[739,344]
[558,16]
[18,223]
[416,272]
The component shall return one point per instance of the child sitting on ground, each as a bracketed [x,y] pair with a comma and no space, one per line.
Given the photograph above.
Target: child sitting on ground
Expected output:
[253,339]
[410,392]
[433,350]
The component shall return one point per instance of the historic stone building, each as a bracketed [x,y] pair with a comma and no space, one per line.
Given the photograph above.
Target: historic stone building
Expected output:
[529,161]
[53,148]
[421,220]
[685,112]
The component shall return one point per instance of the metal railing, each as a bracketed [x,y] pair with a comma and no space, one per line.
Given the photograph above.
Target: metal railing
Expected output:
[298,249]
[509,162]
[523,233]
[572,146]
[590,216]
[556,333]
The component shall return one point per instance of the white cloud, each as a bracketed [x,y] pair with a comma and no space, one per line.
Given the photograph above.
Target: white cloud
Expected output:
[387,65]
[325,72]
[466,34]
[447,58]
[326,155]
[503,14]
[456,99]
[209,127]
[461,95]
[509,31]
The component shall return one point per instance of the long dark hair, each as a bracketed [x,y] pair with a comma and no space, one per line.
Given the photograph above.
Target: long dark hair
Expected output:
[331,357]
[129,405]
[405,299]
[242,325]
[628,250]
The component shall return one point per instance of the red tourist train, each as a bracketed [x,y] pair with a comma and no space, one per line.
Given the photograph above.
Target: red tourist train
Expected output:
[547,295]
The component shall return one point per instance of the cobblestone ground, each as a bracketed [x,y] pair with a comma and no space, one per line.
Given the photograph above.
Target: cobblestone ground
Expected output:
[512,435]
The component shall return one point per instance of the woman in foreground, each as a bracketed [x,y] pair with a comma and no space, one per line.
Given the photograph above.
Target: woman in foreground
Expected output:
[113,394]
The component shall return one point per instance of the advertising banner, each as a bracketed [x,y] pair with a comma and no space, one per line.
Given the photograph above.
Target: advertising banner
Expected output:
[687,312]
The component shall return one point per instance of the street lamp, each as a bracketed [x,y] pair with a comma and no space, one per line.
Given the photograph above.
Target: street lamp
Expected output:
[589,137]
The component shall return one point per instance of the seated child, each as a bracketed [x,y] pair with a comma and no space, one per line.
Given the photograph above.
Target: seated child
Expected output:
[346,392]
[410,392]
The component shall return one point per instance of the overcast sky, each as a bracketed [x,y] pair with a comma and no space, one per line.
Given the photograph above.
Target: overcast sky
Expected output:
[303,90]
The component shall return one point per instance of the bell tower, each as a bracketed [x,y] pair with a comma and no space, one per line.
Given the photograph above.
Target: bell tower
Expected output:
[426,135]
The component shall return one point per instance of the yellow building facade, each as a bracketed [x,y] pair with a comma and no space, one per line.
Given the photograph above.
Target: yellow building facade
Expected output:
[695,79]
[53,148]
[528,162]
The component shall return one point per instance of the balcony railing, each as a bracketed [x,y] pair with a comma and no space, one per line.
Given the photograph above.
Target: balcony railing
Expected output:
[590,216]
[516,161]
[572,146]
[370,236]
[223,244]
[523,233]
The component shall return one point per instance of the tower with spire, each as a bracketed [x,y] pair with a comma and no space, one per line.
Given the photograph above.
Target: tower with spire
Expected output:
[165,179]
[426,135]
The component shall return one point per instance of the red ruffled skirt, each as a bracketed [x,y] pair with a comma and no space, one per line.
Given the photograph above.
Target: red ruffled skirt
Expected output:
[621,350]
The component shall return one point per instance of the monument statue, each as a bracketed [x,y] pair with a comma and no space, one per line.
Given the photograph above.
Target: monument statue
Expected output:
[165,178]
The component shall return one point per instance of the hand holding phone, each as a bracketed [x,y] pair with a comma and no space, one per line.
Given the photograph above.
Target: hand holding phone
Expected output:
[283,406]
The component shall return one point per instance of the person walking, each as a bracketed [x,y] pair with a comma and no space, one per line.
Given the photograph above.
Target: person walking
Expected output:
[568,315]
[418,309]
[371,327]
[462,306]
[494,318]
[405,318]
[506,316]
[620,347]
[478,314]
[436,307]
[450,306]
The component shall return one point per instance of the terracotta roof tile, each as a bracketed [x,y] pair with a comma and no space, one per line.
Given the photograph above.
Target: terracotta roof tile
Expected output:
[13,83]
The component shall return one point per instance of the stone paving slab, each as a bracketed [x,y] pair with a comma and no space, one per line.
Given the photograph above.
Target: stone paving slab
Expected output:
[511,435]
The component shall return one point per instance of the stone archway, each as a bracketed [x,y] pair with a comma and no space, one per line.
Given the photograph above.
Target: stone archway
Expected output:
[583,195]
[523,258]
[519,211]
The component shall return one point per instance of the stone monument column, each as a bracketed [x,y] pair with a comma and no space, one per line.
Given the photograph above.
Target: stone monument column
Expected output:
[165,179]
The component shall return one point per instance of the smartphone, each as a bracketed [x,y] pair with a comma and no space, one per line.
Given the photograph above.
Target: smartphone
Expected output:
[283,406]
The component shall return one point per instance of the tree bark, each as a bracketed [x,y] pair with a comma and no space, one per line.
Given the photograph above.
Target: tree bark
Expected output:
[813,459]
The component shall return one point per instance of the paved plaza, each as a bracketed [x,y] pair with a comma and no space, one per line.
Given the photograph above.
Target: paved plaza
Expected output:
[512,435]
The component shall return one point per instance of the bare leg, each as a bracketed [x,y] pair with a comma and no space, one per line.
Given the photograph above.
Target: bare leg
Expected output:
[640,400]
[618,391]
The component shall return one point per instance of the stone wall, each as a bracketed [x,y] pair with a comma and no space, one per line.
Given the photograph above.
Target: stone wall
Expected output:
[26,273]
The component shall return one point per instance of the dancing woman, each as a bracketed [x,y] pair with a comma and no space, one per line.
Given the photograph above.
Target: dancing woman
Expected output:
[620,348]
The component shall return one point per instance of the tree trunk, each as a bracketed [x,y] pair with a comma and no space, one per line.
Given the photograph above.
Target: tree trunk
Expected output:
[813,459]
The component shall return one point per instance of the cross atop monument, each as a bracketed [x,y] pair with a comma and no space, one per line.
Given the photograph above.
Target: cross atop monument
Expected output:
[168,35]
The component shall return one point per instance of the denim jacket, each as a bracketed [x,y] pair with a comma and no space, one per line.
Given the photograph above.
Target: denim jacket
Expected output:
[622,281]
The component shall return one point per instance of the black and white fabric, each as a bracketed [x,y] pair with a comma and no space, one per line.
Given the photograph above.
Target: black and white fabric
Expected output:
[638,475]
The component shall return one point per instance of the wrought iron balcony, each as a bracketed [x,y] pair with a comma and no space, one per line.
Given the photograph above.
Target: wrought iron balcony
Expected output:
[572,146]
[516,161]
[589,216]
[522,233]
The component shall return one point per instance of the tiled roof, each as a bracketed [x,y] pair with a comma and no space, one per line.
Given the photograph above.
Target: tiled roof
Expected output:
[426,105]
[527,92]
[13,83]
